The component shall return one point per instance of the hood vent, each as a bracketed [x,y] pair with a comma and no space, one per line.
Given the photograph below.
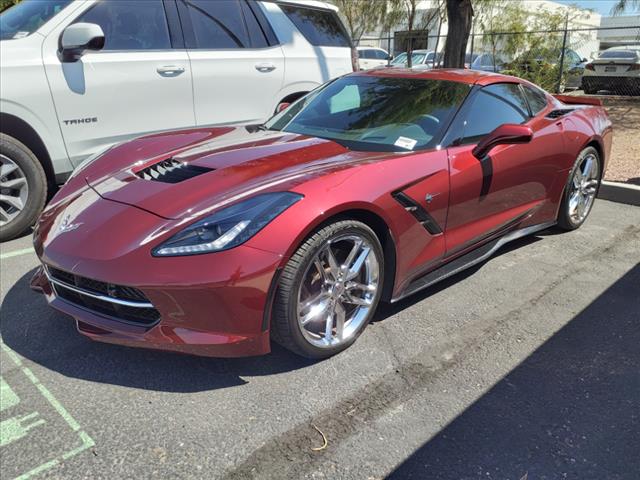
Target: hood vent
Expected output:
[171,171]
[560,112]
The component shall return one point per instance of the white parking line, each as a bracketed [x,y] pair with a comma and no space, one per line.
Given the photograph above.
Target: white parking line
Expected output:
[16,253]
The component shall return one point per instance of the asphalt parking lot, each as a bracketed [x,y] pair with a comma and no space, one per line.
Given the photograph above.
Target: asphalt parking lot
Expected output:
[526,366]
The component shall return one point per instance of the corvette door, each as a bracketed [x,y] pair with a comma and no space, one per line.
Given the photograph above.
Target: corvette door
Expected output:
[512,183]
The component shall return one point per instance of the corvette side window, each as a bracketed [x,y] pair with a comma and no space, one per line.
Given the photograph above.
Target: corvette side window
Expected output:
[537,99]
[493,106]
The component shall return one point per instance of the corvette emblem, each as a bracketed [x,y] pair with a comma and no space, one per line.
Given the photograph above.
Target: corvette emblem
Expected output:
[65,226]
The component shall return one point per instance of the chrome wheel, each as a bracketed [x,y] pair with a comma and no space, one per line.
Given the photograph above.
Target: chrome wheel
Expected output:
[337,291]
[14,190]
[584,185]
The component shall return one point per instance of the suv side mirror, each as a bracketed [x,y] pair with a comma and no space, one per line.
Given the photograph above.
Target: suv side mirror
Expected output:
[78,38]
[507,134]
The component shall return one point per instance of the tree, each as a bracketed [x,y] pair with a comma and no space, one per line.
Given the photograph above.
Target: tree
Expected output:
[460,17]
[362,16]
[4,4]
[415,20]
[623,5]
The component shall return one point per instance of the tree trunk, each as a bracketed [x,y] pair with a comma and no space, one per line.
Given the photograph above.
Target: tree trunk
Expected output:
[460,14]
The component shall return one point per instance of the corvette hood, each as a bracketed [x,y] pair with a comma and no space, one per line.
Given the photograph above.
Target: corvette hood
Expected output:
[183,174]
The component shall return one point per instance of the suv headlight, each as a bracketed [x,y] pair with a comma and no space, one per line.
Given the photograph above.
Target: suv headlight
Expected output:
[228,227]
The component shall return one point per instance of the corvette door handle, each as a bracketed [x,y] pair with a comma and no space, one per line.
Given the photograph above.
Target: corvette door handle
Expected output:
[265,67]
[170,70]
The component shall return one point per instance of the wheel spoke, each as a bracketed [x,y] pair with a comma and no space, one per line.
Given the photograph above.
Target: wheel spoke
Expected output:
[315,311]
[574,201]
[588,167]
[352,254]
[328,330]
[360,286]
[4,216]
[13,183]
[357,265]
[7,167]
[333,263]
[15,202]
[321,270]
[350,298]
[340,320]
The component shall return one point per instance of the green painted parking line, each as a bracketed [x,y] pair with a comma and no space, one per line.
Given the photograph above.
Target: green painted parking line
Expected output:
[16,428]
[8,398]
[16,253]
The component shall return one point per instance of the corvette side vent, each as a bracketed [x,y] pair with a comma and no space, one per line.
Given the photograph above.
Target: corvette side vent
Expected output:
[171,171]
[420,214]
[560,112]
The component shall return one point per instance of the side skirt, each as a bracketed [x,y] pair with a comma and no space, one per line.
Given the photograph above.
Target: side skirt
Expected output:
[468,260]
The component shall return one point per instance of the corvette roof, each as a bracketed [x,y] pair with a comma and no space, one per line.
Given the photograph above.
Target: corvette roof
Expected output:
[470,77]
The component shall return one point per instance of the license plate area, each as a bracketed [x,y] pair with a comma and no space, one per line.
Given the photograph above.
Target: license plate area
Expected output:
[610,69]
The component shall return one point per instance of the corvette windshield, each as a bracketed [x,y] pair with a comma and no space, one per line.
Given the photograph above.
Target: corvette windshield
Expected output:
[375,113]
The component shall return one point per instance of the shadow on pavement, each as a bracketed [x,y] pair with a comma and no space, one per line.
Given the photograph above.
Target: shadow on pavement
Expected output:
[570,410]
[43,335]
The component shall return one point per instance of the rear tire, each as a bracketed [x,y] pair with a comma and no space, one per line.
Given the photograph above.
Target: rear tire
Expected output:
[23,187]
[580,190]
[319,310]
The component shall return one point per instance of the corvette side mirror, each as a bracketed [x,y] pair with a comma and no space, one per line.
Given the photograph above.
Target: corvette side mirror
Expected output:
[507,134]
[78,38]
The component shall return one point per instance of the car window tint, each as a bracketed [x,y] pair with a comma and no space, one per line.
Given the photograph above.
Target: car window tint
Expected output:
[256,35]
[319,27]
[493,106]
[365,53]
[537,99]
[218,25]
[380,55]
[131,24]
[618,54]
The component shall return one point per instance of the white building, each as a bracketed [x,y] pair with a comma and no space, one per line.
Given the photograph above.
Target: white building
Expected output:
[623,30]
[433,35]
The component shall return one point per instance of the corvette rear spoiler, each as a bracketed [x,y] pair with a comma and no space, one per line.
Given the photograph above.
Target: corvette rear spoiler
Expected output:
[578,100]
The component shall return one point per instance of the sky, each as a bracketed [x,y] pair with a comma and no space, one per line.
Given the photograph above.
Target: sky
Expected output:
[603,7]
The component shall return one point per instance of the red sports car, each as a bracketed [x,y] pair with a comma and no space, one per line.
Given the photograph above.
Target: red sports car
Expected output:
[378,184]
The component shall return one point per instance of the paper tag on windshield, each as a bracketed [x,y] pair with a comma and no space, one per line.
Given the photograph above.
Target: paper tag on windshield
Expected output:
[405,142]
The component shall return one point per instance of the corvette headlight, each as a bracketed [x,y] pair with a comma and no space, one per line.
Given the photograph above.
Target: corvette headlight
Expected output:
[228,227]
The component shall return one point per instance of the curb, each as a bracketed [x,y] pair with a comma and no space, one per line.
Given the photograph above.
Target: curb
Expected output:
[620,192]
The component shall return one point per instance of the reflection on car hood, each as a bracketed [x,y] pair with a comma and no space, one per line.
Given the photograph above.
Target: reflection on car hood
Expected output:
[215,167]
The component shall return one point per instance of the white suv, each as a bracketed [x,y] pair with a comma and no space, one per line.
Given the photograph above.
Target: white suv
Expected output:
[80,76]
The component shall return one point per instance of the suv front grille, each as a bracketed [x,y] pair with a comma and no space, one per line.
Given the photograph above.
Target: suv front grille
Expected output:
[120,302]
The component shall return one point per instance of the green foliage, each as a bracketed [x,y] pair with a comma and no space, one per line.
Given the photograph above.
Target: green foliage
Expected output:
[4,4]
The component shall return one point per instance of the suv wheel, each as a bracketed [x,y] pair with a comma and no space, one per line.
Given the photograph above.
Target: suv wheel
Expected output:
[23,187]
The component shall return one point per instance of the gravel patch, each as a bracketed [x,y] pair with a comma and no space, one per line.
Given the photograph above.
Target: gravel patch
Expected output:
[624,165]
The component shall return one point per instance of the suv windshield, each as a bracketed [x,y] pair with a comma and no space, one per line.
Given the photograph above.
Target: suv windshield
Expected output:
[372,113]
[26,17]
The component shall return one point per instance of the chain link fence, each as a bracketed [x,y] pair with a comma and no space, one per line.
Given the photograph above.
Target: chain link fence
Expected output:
[557,60]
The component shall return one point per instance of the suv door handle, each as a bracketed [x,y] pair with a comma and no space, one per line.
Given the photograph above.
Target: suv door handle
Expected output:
[170,70]
[265,67]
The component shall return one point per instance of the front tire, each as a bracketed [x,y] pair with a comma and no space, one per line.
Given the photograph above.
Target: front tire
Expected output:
[581,190]
[329,290]
[23,187]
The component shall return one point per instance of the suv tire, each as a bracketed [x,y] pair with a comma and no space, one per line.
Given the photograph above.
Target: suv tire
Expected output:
[15,154]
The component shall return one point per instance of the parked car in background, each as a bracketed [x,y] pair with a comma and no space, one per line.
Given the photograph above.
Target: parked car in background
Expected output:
[546,62]
[372,57]
[487,62]
[617,69]
[469,58]
[420,59]
[78,77]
